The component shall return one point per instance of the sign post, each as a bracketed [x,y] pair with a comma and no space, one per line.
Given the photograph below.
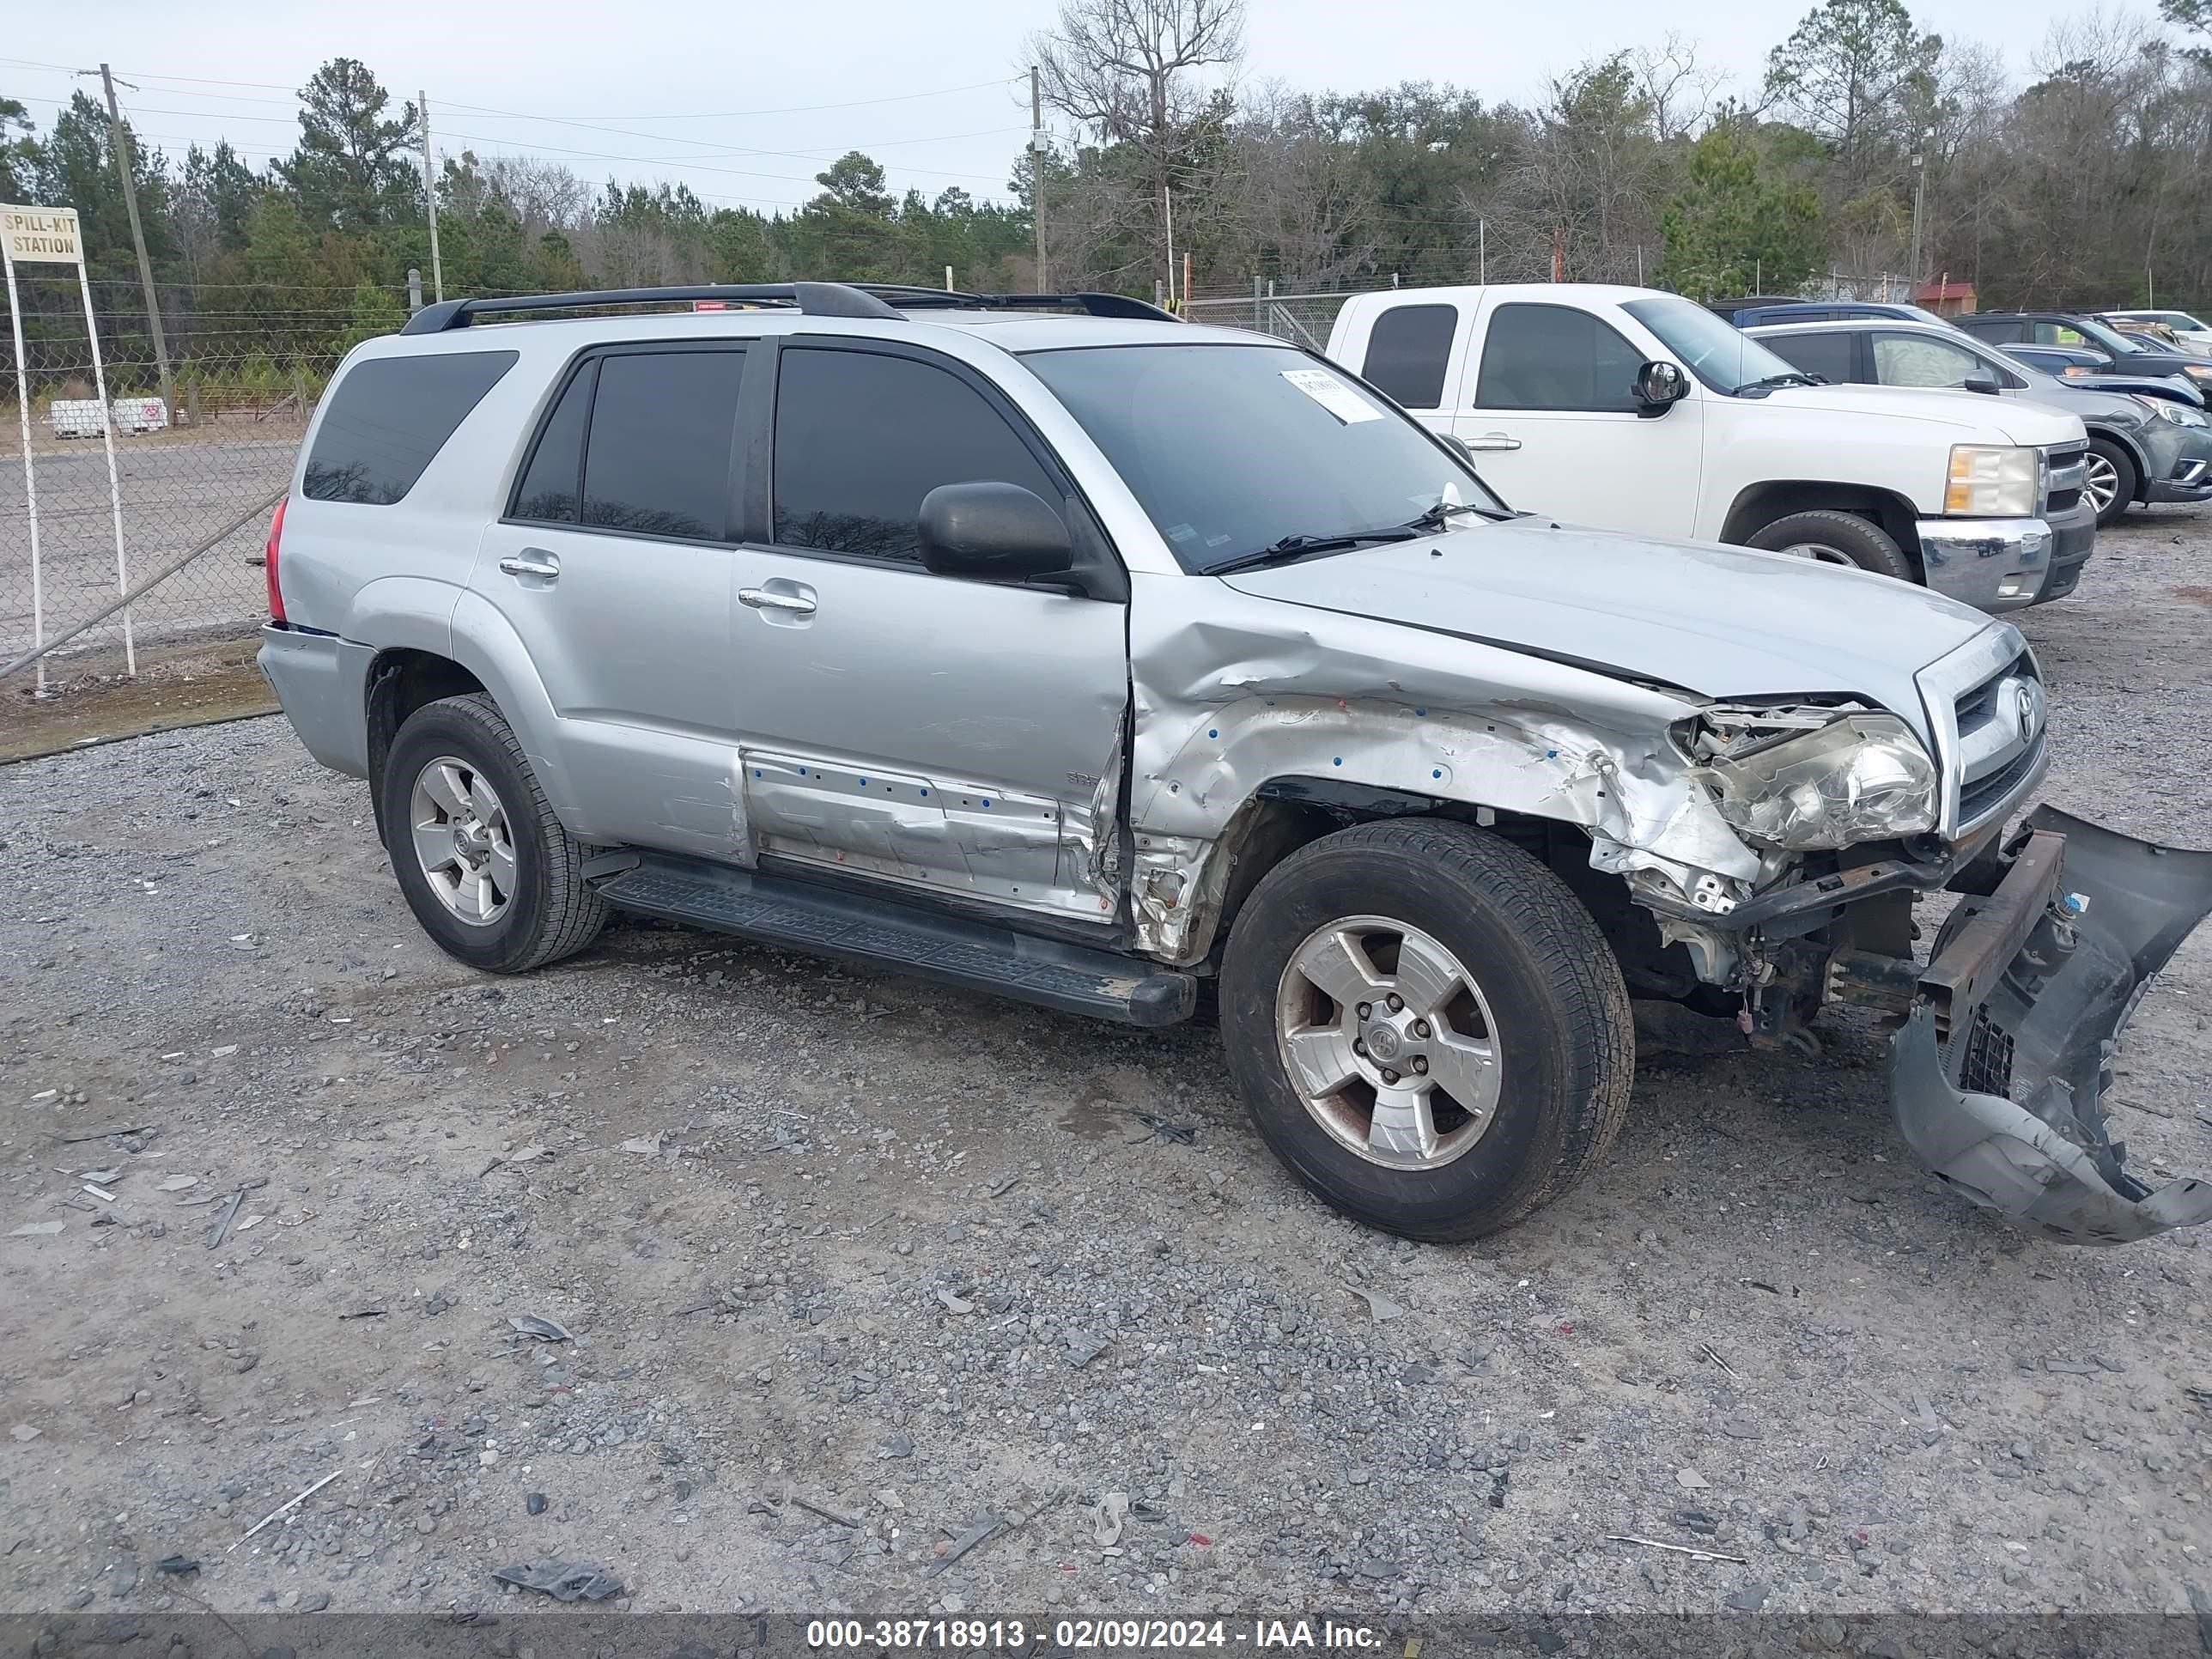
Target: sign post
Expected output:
[36,236]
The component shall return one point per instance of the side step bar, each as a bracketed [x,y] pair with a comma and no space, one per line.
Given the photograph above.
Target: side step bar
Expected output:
[871,932]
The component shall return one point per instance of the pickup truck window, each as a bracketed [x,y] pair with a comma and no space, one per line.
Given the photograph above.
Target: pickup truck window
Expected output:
[1230,449]
[862,437]
[1828,355]
[1408,351]
[657,462]
[1540,356]
[1724,358]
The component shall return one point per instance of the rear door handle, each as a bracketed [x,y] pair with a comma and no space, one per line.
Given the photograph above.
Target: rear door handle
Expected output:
[531,562]
[768,598]
[1493,441]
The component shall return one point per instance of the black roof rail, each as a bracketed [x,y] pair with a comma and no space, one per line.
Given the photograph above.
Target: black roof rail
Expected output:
[909,298]
[811,298]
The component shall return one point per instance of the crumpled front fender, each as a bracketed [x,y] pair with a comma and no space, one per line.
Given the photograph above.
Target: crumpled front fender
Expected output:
[1996,1075]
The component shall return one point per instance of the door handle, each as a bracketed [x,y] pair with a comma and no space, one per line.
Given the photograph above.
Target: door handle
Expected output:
[533,562]
[766,599]
[1493,441]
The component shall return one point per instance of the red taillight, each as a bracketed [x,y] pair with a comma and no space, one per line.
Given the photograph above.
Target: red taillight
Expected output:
[269,561]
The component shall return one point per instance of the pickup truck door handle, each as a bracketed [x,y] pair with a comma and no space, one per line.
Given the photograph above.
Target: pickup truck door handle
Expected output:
[533,561]
[768,598]
[1493,441]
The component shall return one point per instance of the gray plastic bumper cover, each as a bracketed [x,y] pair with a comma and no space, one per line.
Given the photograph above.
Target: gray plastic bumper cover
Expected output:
[1995,1077]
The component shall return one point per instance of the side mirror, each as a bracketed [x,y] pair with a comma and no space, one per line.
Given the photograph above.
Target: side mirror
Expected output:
[1983,380]
[1458,446]
[992,532]
[1660,385]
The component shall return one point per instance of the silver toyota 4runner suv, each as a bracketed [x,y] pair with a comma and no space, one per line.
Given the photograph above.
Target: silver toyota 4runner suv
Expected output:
[1053,648]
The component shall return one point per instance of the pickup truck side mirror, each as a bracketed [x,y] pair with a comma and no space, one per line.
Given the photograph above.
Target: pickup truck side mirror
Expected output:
[1458,446]
[1983,381]
[1659,387]
[991,531]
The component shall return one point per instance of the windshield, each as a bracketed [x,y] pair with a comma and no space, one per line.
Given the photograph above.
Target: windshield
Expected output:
[1719,354]
[2110,338]
[1232,450]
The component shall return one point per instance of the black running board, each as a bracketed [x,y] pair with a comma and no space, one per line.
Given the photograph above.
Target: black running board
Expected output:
[871,933]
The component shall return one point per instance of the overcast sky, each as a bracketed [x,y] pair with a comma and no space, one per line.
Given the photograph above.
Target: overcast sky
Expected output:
[731,99]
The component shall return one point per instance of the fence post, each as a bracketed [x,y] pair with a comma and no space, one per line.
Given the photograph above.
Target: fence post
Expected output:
[299,389]
[414,290]
[1258,318]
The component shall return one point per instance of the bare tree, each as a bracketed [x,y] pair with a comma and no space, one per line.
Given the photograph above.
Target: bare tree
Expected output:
[1678,92]
[1133,73]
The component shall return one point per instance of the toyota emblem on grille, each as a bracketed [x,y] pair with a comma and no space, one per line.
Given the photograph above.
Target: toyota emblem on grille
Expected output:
[2027,708]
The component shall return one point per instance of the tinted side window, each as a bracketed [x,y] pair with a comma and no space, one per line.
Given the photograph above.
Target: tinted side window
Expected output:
[548,490]
[658,458]
[2000,329]
[861,438]
[1408,353]
[1828,355]
[1919,359]
[389,416]
[1540,356]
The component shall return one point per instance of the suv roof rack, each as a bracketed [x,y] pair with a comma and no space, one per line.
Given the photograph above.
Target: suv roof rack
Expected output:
[909,298]
[813,299]
[882,301]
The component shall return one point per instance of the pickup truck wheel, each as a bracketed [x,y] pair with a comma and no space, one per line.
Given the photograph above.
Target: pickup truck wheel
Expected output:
[2110,480]
[485,866]
[1427,1027]
[1827,537]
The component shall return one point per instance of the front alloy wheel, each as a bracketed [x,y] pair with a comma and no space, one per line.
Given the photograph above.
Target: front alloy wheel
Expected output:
[1389,1041]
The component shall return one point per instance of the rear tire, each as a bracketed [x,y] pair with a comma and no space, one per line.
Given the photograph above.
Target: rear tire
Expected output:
[1537,990]
[2113,481]
[1828,536]
[486,867]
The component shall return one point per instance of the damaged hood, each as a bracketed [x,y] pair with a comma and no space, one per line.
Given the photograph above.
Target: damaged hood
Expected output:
[1723,623]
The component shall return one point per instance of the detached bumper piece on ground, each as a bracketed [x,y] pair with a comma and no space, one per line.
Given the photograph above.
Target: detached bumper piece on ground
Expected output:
[1996,1074]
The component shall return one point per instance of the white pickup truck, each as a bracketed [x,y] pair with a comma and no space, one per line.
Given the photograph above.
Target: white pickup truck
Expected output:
[1628,408]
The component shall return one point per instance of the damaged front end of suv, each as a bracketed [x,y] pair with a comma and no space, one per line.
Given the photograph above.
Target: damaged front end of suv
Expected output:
[2006,1034]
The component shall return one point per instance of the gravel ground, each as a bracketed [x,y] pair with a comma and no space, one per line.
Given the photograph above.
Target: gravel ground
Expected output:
[846,1264]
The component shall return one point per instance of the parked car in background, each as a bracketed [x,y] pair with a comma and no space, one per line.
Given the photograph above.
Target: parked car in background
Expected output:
[2079,366]
[1091,660]
[1631,410]
[2188,330]
[1824,310]
[2057,328]
[2140,449]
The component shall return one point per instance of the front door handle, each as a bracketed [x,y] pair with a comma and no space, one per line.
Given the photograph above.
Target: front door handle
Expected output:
[1493,441]
[533,562]
[768,598]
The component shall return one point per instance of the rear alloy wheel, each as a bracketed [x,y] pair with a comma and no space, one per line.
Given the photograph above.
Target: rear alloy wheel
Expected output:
[486,868]
[2109,480]
[1825,536]
[1426,1025]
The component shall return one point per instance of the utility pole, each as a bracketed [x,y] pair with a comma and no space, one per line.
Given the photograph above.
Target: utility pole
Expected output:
[120,140]
[1919,209]
[1037,175]
[430,198]
[1167,217]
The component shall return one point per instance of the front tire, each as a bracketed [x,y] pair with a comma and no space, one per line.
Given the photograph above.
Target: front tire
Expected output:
[1827,537]
[1427,1027]
[485,866]
[2111,482]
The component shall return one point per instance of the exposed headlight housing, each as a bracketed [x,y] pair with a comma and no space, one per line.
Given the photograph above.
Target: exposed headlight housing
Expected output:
[1992,481]
[1861,777]
[2180,414]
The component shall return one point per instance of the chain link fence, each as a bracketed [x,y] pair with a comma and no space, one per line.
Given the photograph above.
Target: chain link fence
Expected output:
[184,470]
[1303,318]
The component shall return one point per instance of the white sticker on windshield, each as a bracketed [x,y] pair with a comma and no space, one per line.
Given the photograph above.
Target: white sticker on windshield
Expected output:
[1333,395]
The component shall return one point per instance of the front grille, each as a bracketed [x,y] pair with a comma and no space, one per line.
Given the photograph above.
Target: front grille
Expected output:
[2000,726]
[2065,469]
[1986,1068]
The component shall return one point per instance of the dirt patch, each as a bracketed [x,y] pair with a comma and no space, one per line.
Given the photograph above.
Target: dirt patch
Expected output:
[2195,595]
[193,683]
